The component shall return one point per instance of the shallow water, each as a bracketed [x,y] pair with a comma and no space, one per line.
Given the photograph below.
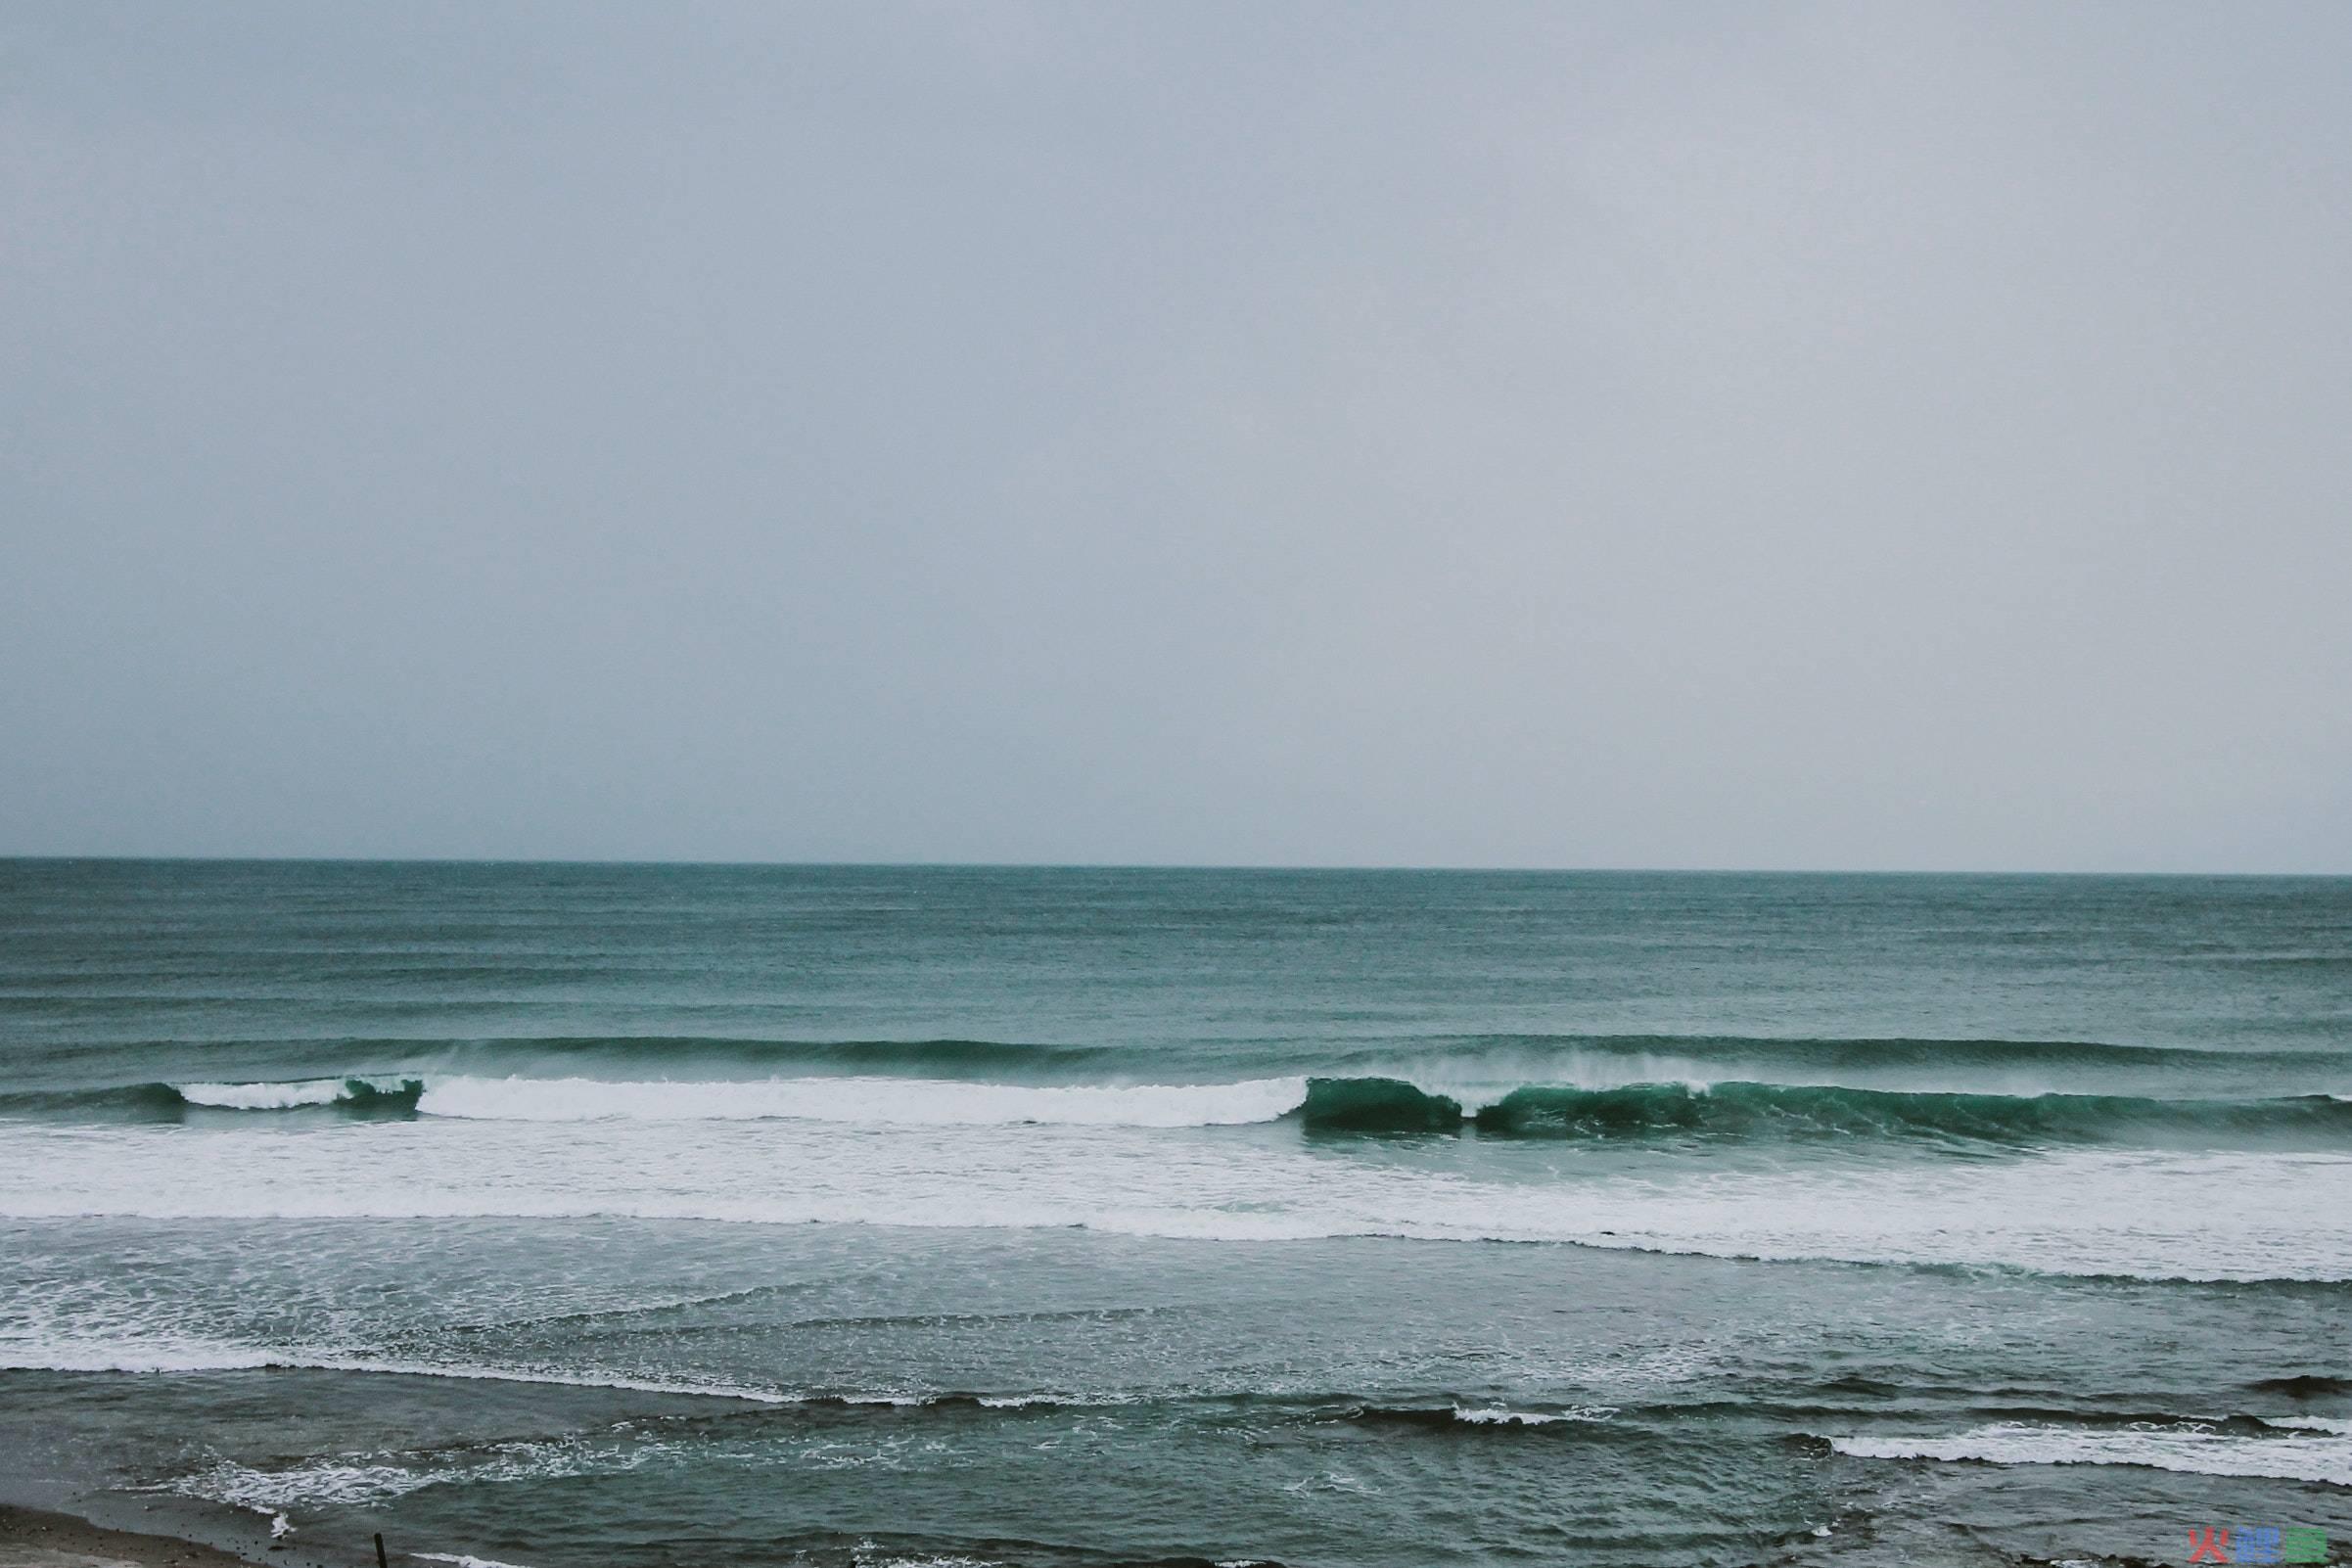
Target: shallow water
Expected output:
[589,1215]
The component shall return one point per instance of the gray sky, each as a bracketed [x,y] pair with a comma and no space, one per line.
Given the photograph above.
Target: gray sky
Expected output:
[1642,434]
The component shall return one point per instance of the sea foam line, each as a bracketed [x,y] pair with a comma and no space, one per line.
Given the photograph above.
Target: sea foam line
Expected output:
[876,1101]
[1679,1109]
[149,1360]
[1503,1415]
[139,1359]
[2325,1457]
[924,1102]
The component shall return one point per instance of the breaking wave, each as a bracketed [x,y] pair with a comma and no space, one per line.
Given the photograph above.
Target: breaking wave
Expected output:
[923,1102]
[1445,1416]
[1321,1106]
[171,1102]
[1745,1109]
[350,1094]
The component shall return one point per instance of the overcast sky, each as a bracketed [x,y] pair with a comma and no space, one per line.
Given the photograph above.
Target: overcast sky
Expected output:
[1622,436]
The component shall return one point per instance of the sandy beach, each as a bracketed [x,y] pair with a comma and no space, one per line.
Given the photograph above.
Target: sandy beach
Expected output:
[33,1537]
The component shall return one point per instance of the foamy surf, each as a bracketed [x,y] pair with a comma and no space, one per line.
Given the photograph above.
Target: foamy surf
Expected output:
[1684,1111]
[263,1096]
[141,1352]
[366,1094]
[374,1480]
[296,1094]
[872,1101]
[2304,1453]
[2144,1213]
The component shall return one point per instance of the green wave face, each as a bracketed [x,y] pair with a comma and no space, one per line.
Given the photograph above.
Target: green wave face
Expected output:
[359,1097]
[1376,1105]
[356,1097]
[1751,1111]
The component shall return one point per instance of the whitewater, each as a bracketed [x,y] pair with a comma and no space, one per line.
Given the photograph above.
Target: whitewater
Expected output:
[1361,1104]
[2146,1212]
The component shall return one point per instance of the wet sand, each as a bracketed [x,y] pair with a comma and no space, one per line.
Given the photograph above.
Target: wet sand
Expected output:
[30,1537]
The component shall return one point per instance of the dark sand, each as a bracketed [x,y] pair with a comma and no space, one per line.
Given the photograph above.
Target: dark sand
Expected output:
[30,1537]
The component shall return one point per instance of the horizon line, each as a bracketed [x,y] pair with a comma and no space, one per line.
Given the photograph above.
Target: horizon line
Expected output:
[1266,867]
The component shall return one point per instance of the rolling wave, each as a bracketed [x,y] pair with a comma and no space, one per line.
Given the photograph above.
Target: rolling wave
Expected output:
[350,1094]
[878,1101]
[2304,1385]
[1590,1060]
[171,1102]
[1444,1418]
[1320,1106]
[1744,1110]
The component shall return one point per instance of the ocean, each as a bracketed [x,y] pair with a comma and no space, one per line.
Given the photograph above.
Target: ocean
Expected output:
[579,1215]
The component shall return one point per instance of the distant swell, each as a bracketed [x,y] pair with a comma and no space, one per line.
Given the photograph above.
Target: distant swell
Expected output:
[1872,1052]
[863,1056]
[1798,1111]
[2305,1385]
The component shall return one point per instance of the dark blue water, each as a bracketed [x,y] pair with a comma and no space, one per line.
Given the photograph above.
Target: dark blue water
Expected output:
[590,1215]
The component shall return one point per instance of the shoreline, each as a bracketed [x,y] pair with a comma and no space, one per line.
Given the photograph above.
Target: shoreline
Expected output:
[42,1538]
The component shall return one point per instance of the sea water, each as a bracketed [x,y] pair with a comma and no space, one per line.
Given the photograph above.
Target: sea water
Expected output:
[588,1215]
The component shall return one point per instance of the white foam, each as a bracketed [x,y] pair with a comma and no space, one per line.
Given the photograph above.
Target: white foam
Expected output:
[86,1356]
[462,1560]
[2184,1448]
[873,1101]
[2149,1214]
[268,1492]
[139,1354]
[1500,1415]
[373,1480]
[263,1096]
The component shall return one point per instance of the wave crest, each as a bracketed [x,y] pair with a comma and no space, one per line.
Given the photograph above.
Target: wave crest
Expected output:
[1320,1106]
[351,1094]
[1744,1110]
[894,1101]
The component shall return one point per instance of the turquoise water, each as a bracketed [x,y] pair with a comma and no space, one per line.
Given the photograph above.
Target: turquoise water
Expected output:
[592,1215]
